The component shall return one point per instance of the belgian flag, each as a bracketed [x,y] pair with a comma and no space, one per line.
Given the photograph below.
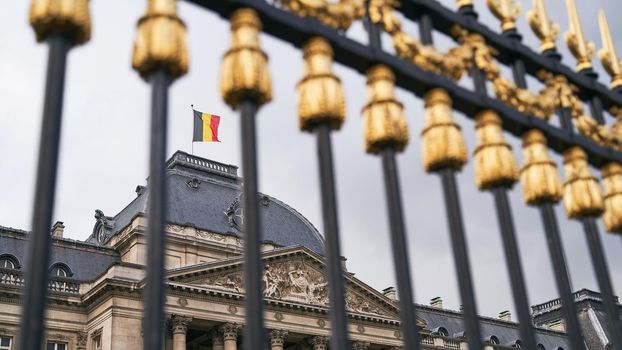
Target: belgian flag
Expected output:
[205,127]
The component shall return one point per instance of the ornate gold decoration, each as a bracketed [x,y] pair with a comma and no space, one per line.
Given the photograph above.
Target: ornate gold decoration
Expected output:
[507,11]
[409,48]
[582,196]
[384,124]
[160,41]
[539,177]
[544,29]
[612,192]
[565,96]
[581,49]
[336,14]
[442,142]
[69,18]
[495,165]
[608,55]
[244,72]
[482,55]
[320,95]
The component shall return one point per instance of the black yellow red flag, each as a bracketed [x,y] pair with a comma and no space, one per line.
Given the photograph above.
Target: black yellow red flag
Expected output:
[205,127]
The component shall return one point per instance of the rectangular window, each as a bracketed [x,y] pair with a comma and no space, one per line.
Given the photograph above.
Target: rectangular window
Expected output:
[97,343]
[5,343]
[56,346]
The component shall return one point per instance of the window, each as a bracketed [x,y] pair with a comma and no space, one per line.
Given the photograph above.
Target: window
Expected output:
[442,331]
[5,343]
[56,346]
[60,270]
[518,344]
[540,347]
[97,343]
[8,262]
[493,340]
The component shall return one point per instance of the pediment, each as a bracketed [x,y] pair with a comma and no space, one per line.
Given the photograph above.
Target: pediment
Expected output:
[293,275]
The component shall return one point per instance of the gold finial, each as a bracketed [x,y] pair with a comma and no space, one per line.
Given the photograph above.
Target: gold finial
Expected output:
[384,124]
[612,184]
[544,29]
[320,95]
[160,41]
[495,165]
[69,18]
[582,196]
[581,49]
[442,142]
[244,72]
[462,3]
[507,11]
[539,177]
[608,55]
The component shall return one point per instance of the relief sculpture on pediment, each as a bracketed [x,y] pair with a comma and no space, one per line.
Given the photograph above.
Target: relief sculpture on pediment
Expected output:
[293,280]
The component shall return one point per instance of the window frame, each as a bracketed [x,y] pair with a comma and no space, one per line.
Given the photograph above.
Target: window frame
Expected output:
[4,347]
[56,345]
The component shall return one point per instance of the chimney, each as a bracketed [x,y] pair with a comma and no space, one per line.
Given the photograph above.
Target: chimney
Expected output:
[505,316]
[436,302]
[58,229]
[390,293]
[557,325]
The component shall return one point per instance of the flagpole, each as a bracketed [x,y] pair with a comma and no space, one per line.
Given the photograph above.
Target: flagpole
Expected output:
[192,142]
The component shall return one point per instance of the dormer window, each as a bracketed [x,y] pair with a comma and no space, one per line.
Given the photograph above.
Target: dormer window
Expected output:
[8,262]
[540,347]
[60,270]
[493,340]
[518,344]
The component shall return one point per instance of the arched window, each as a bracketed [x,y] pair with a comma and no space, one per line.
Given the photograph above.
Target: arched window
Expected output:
[60,270]
[442,331]
[9,262]
[493,340]
[518,344]
[540,347]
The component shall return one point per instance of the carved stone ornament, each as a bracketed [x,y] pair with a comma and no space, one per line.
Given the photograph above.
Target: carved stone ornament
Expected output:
[360,345]
[232,309]
[81,340]
[182,302]
[230,331]
[293,280]
[360,328]
[321,323]
[179,324]
[318,342]
[278,316]
[277,337]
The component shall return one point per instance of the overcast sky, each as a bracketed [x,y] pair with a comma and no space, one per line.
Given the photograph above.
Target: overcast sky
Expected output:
[105,135]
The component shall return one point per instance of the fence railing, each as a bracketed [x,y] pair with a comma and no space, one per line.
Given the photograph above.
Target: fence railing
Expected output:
[15,278]
[584,138]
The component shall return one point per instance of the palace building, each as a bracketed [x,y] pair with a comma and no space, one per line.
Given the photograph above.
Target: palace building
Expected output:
[95,285]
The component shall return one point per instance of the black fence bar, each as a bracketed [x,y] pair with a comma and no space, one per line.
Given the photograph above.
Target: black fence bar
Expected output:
[399,249]
[154,291]
[337,313]
[565,118]
[34,301]
[461,258]
[254,334]
[456,229]
[604,282]
[596,109]
[562,278]
[296,30]
[515,270]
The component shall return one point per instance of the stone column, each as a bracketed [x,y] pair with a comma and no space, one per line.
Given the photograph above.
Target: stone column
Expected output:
[318,342]
[360,345]
[230,332]
[179,327]
[217,342]
[277,339]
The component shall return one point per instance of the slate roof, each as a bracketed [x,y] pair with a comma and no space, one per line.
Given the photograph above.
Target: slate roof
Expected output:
[86,261]
[507,332]
[199,193]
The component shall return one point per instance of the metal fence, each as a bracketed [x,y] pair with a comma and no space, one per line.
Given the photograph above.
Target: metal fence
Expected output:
[317,28]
